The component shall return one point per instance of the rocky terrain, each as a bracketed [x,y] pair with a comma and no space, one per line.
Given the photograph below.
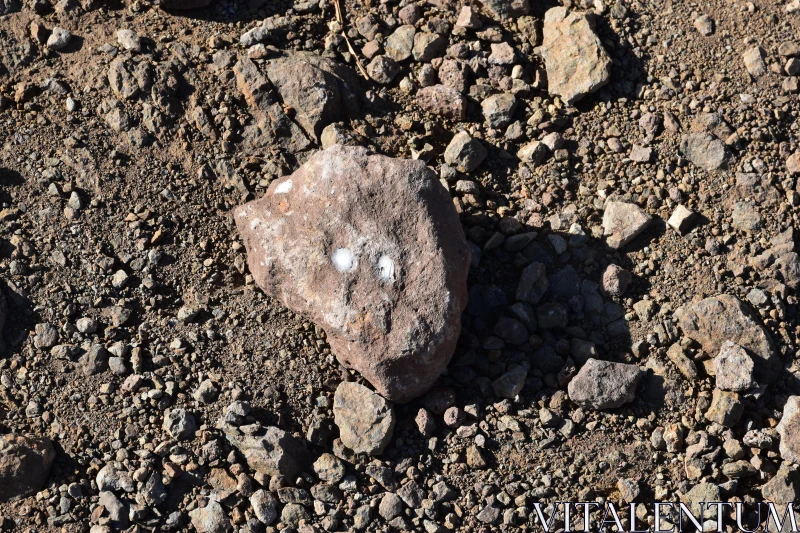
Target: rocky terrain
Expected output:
[557,261]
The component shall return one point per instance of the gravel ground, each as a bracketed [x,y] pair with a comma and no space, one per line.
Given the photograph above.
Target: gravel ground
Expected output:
[631,327]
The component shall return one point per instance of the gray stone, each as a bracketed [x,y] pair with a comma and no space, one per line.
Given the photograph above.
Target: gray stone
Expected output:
[464,152]
[704,150]
[604,384]
[789,430]
[498,109]
[276,453]
[210,519]
[383,69]
[264,506]
[576,62]
[443,101]
[754,61]
[400,44]
[365,419]
[180,424]
[733,368]
[717,319]
[623,222]
[59,38]
[510,384]
[533,283]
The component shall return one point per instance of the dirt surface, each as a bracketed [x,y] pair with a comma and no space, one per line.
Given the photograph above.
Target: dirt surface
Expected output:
[93,184]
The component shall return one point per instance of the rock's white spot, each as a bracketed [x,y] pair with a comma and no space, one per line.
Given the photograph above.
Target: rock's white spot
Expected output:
[386,269]
[343,260]
[284,187]
[255,223]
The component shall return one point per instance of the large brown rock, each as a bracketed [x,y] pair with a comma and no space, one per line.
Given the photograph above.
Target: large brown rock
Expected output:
[717,319]
[370,248]
[24,465]
[575,60]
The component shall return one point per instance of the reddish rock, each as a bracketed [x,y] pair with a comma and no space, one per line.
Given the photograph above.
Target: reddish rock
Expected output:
[444,101]
[370,248]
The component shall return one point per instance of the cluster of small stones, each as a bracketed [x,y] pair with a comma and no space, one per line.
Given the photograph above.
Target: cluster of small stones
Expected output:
[632,322]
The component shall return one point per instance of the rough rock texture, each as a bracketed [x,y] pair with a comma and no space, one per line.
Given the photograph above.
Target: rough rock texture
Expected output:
[622,222]
[704,150]
[383,271]
[444,101]
[319,89]
[576,62]
[365,419]
[210,519]
[274,453]
[604,384]
[24,465]
[717,319]
[504,9]
[464,152]
[733,368]
[789,430]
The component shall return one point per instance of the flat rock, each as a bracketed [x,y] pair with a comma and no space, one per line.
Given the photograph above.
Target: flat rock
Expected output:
[575,60]
[704,150]
[622,222]
[604,384]
[365,419]
[276,453]
[383,270]
[24,465]
[717,319]
[789,430]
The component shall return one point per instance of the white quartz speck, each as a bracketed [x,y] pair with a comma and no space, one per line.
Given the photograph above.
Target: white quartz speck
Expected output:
[386,269]
[343,260]
[284,187]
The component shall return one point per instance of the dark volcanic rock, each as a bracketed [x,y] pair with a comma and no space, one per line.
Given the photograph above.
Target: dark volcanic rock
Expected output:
[372,249]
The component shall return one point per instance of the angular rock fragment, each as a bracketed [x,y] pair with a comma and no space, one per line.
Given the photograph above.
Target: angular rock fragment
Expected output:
[505,9]
[365,419]
[319,89]
[211,519]
[464,152]
[733,368]
[789,430]
[726,408]
[444,101]
[718,319]
[622,222]
[754,61]
[704,150]
[276,453]
[400,44]
[24,465]
[575,60]
[370,248]
[604,384]
[681,219]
